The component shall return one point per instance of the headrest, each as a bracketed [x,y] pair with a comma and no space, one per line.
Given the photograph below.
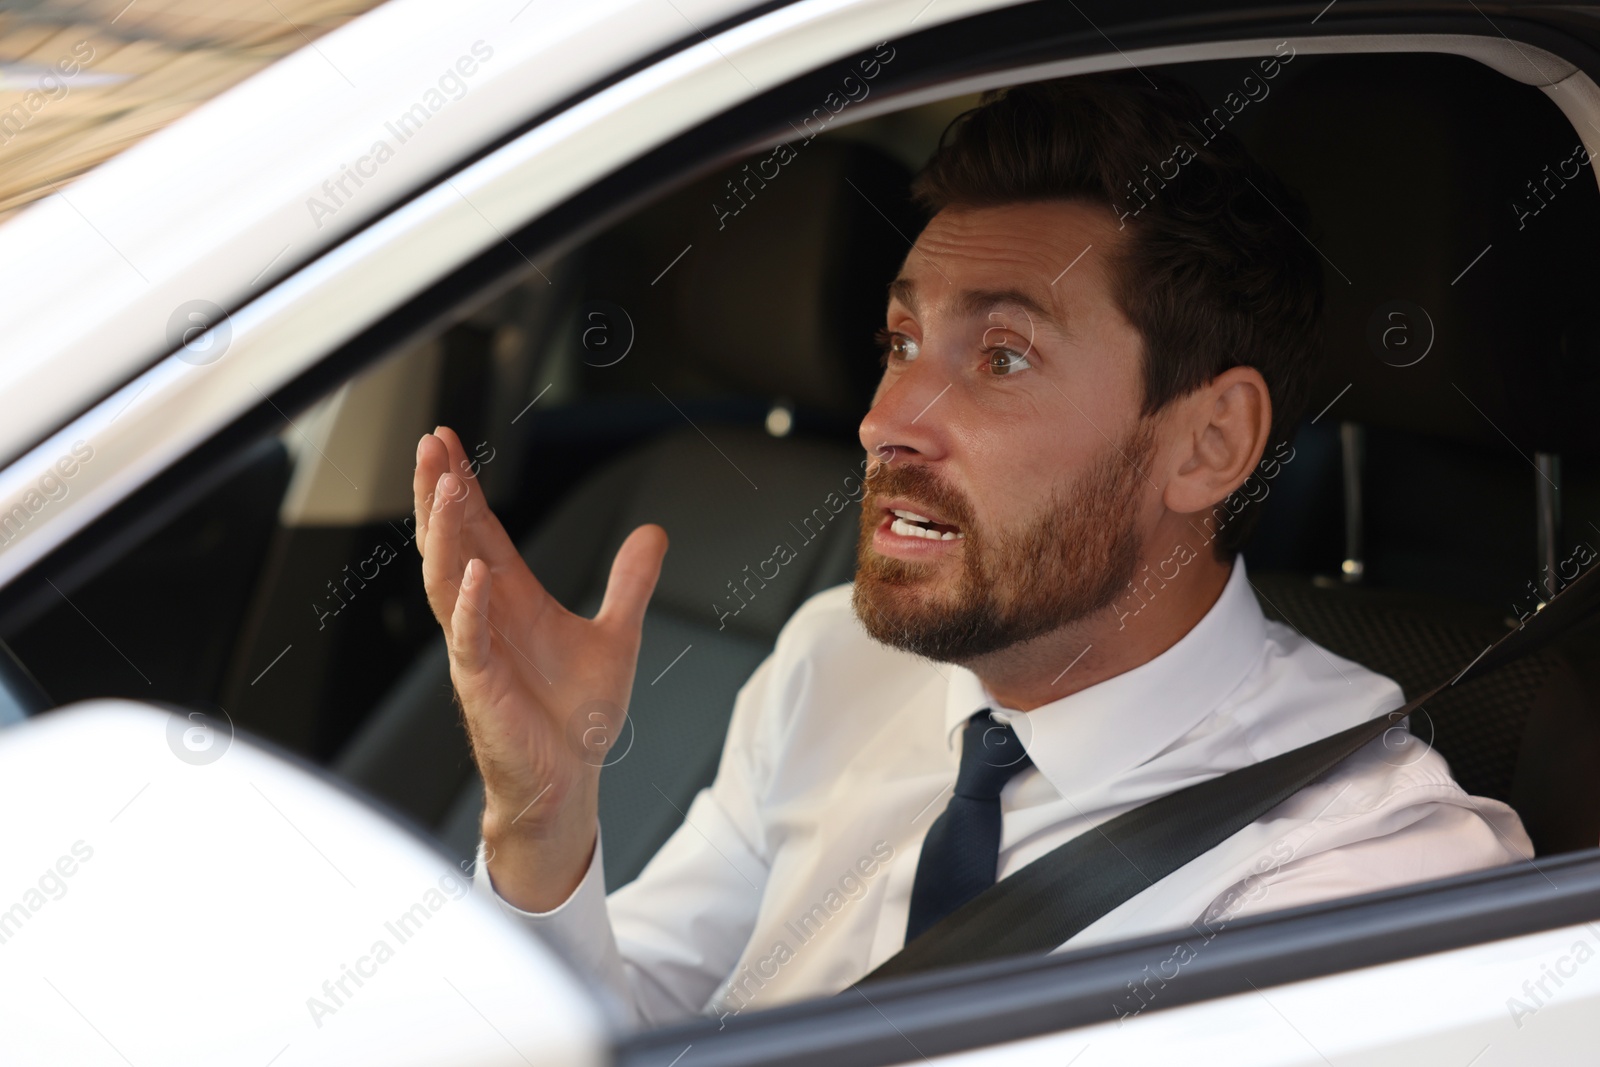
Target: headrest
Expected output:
[785,263]
[1449,203]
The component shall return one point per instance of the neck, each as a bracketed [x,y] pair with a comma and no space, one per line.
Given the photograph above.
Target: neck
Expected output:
[1149,618]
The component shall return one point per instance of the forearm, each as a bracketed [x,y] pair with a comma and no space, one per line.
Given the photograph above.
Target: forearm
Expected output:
[538,864]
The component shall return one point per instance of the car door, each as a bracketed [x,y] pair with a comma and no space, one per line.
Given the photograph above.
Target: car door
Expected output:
[1490,965]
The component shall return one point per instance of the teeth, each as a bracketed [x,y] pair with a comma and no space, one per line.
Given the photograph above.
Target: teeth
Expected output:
[905,529]
[911,516]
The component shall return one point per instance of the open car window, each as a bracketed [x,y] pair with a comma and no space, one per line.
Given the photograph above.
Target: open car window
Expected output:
[700,324]
[128,71]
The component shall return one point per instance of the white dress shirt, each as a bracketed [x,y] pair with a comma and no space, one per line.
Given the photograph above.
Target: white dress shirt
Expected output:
[791,875]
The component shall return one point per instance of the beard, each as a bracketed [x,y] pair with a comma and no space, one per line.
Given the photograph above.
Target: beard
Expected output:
[1070,560]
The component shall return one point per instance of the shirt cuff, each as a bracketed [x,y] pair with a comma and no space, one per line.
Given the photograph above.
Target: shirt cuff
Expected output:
[578,929]
[593,879]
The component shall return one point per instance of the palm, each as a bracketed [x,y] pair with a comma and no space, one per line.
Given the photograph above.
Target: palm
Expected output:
[542,689]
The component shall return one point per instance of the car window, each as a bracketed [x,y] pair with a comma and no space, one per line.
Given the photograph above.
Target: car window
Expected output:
[705,361]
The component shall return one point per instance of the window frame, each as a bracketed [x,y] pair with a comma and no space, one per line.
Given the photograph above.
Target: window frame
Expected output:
[965,1007]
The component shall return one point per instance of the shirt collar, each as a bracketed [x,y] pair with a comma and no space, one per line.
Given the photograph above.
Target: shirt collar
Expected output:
[1101,732]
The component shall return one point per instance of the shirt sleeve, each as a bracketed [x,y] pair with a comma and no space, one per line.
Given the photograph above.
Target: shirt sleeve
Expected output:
[661,945]
[1419,833]
[578,929]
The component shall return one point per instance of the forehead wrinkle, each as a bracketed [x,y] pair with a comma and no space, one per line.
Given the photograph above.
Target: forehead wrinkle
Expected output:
[975,302]
[979,301]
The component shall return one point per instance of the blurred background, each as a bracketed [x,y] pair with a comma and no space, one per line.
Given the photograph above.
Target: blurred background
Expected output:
[143,64]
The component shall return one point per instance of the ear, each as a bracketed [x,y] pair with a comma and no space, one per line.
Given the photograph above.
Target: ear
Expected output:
[1220,432]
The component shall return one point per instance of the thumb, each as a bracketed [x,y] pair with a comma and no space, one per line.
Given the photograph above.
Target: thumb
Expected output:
[633,578]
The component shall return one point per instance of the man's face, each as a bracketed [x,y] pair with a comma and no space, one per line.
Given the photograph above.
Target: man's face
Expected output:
[1008,414]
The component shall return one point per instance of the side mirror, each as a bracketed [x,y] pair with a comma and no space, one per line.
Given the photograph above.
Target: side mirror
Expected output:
[171,894]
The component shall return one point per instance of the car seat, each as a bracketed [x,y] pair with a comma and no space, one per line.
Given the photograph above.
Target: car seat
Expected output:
[777,308]
[1419,171]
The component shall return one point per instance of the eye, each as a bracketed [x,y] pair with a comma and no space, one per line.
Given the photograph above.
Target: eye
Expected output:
[895,346]
[1004,361]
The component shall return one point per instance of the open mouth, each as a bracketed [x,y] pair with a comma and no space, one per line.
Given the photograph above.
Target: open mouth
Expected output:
[910,524]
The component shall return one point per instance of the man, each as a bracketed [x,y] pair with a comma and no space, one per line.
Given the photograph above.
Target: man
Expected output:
[1095,355]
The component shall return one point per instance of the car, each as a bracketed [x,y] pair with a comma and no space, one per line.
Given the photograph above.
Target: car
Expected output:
[633,254]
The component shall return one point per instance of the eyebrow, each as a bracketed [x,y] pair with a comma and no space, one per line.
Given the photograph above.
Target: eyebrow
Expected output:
[978,301]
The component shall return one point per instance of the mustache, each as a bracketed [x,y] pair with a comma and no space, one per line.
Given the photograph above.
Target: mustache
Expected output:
[921,484]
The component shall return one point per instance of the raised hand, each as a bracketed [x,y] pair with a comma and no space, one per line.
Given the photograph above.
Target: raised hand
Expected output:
[542,690]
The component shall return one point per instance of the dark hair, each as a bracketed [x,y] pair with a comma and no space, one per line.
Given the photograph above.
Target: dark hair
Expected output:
[1216,272]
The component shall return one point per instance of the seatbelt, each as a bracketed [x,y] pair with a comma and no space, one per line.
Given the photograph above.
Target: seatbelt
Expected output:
[1037,908]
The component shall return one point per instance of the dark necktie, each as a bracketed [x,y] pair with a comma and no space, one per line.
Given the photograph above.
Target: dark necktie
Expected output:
[962,849]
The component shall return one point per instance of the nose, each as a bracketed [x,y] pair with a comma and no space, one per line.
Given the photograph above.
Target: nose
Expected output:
[906,419]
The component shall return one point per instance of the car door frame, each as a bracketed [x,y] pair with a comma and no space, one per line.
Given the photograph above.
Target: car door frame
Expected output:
[366,297]
[1083,996]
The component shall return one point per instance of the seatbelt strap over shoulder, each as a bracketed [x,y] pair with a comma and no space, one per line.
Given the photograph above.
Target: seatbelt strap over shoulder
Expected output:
[1041,906]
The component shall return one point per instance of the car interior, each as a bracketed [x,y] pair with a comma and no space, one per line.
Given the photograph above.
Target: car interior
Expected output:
[706,370]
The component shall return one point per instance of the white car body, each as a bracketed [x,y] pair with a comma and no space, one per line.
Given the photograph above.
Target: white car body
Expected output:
[229,206]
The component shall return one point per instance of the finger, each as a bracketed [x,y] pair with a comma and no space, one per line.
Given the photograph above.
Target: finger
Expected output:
[442,562]
[458,461]
[432,458]
[634,574]
[470,630]
[482,534]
